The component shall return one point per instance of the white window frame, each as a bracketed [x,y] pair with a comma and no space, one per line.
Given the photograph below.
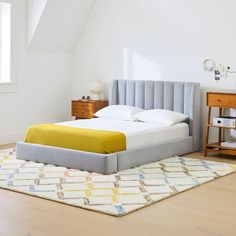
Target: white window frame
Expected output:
[11,86]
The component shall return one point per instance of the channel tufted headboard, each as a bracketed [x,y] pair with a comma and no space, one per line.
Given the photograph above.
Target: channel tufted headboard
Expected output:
[183,97]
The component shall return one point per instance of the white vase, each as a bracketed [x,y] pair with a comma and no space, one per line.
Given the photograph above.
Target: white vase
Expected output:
[96,89]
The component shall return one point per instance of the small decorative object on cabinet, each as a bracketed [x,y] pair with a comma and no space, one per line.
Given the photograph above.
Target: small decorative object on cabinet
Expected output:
[84,109]
[219,100]
[96,89]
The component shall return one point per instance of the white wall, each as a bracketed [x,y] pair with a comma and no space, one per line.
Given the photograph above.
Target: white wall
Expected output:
[158,40]
[43,84]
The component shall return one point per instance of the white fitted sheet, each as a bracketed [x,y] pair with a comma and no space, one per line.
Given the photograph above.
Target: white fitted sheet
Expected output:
[137,134]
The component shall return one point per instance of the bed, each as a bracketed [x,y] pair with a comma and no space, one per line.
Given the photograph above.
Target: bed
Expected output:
[182,138]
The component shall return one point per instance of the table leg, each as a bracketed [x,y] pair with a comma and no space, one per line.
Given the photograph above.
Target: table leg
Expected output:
[207,131]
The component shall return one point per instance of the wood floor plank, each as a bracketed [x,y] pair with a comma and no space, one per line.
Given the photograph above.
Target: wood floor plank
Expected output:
[7,146]
[208,210]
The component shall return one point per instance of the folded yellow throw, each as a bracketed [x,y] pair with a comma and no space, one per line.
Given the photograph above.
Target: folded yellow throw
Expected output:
[89,140]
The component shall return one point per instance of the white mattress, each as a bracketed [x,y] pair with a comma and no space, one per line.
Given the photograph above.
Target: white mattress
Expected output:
[137,134]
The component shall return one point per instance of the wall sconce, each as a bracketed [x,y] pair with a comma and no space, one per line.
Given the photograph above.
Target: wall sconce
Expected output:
[219,70]
[209,65]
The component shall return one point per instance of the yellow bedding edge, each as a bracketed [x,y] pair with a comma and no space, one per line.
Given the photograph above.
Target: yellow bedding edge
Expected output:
[88,140]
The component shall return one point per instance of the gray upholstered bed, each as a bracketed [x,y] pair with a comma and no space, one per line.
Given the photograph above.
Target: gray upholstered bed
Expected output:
[183,97]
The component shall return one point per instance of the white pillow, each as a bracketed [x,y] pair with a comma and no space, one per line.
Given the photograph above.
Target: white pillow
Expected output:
[118,112]
[160,116]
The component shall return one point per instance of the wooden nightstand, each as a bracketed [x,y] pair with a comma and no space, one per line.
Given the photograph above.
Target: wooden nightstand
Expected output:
[219,100]
[85,109]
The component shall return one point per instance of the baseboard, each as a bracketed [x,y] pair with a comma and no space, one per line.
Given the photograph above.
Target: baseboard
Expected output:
[11,138]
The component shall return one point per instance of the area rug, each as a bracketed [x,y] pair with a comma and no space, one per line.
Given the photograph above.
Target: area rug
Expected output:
[117,194]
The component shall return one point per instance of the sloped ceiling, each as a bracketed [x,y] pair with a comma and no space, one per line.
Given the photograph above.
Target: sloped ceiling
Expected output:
[55,25]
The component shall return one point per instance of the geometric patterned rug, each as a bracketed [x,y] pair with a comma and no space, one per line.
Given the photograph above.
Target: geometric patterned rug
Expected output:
[117,194]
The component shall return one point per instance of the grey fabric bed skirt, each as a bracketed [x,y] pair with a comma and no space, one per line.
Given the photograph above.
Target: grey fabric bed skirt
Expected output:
[103,163]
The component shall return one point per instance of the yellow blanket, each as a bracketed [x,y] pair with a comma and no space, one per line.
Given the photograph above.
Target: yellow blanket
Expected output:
[88,140]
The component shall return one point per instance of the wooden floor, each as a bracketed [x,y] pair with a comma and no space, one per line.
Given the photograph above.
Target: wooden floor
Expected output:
[209,209]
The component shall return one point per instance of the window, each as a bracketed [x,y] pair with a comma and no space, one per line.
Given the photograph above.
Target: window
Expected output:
[5,43]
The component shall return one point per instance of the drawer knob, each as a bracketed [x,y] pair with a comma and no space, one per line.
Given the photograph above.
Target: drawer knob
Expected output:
[218,100]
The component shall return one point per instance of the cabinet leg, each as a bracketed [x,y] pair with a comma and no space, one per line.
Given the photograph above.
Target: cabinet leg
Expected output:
[220,129]
[207,131]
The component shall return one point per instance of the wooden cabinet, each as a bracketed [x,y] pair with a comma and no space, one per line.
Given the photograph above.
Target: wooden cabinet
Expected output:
[85,109]
[219,100]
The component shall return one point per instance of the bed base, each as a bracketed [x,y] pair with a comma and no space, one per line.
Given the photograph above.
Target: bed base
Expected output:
[103,163]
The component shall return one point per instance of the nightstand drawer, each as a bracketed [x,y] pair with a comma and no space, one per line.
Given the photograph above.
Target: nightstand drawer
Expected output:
[82,105]
[75,109]
[221,100]
[83,114]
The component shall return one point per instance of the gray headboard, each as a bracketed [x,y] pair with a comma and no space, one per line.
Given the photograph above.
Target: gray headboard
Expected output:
[183,97]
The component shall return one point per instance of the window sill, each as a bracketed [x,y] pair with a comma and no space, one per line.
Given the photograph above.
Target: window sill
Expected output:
[8,87]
